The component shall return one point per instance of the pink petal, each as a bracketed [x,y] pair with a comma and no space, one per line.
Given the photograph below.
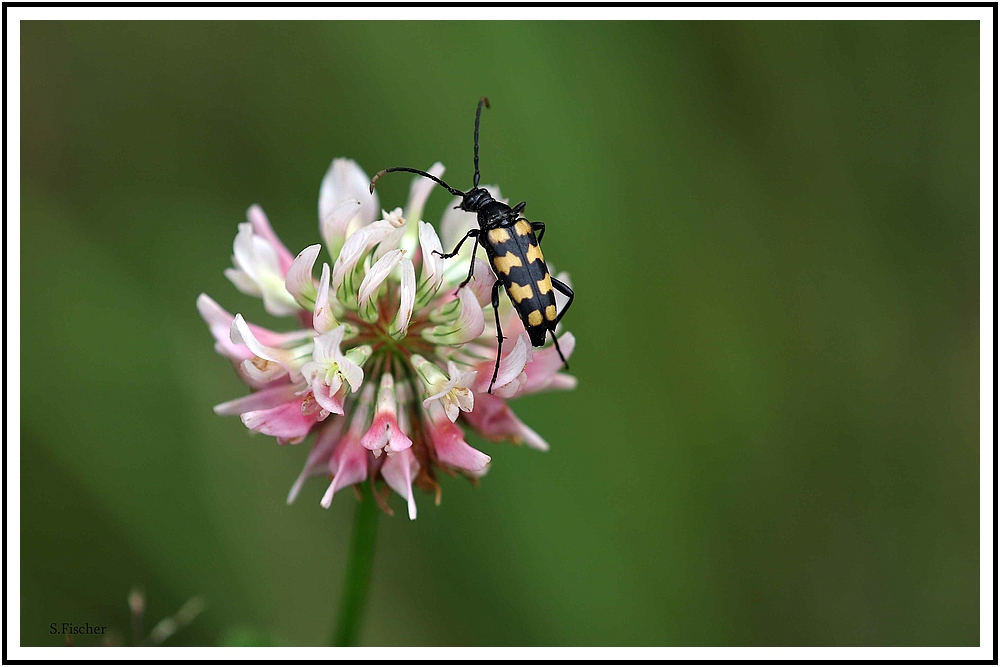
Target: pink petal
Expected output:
[399,472]
[351,462]
[219,323]
[264,399]
[451,448]
[512,364]
[335,403]
[482,282]
[385,431]
[562,381]
[493,419]
[285,421]
[545,364]
[319,461]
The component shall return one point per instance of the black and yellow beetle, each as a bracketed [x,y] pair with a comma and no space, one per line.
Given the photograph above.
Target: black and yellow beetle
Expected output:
[515,255]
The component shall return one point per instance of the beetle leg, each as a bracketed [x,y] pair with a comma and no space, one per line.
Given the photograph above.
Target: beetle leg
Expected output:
[556,341]
[564,289]
[496,314]
[472,232]
[520,207]
[472,265]
[540,228]
[535,227]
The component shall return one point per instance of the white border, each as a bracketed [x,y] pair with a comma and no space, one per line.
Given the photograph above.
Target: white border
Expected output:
[987,260]
[12,331]
[987,333]
[579,13]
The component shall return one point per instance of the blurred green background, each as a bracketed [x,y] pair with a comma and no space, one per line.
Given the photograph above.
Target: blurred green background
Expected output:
[772,229]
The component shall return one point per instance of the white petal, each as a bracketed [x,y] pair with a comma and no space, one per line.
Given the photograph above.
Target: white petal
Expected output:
[432,265]
[243,249]
[293,493]
[352,372]
[510,389]
[356,246]
[258,259]
[437,396]
[394,217]
[397,229]
[407,297]
[344,181]
[242,282]
[259,372]
[467,326]
[561,298]
[323,318]
[299,281]
[264,261]
[562,381]
[349,255]
[241,334]
[465,400]
[378,272]
[532,439]
[262,228]
[333,230]
[471,318]
[459,377]
[328,346]
[278,301]
[512,365]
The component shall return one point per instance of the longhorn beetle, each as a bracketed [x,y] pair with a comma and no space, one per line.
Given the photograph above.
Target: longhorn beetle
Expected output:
[514,252]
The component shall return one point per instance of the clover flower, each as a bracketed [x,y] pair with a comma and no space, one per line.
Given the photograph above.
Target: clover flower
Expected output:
[387,355]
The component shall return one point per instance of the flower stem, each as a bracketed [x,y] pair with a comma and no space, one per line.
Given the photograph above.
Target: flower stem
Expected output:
[359,571]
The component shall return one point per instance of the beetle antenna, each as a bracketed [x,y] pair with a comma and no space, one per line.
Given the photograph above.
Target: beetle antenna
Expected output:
[475,139]
[371,186]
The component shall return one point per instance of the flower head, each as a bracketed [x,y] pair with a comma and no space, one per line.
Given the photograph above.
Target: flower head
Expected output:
[387,358]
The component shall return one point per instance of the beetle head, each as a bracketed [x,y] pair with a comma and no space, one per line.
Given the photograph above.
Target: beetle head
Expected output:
[475,199]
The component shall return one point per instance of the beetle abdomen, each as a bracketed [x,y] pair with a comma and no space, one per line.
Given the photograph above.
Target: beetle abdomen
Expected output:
[517,260]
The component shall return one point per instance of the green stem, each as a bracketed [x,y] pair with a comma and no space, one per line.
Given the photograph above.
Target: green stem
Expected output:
[359,571]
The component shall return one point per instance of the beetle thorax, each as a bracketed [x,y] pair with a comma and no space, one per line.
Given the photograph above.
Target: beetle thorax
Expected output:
[493,214]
